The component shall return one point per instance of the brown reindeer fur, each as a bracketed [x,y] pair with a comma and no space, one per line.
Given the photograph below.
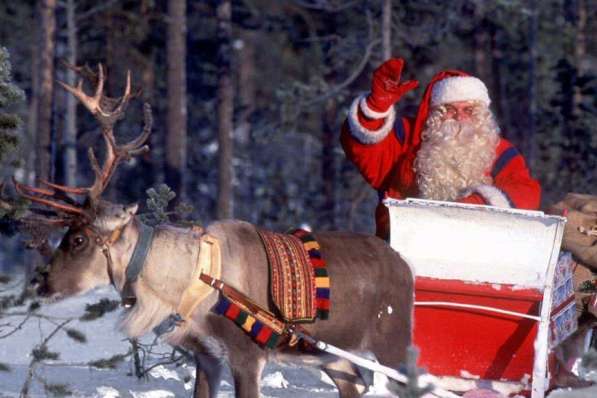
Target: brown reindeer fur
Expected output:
[371,299]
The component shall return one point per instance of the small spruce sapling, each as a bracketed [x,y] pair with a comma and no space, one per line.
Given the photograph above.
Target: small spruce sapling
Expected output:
[411,389]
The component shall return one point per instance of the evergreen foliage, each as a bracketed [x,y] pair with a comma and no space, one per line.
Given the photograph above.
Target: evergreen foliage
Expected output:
[76,335]
[110,363]
[320,56]
[99,309]
[10,123]
[9,95]
[158,201]
[41,353]
[57,390]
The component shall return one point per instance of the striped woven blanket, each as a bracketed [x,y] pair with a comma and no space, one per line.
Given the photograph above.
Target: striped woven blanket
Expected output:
[299,281]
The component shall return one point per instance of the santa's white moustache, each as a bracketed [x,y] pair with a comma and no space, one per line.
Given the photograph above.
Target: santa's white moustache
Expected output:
[456,130]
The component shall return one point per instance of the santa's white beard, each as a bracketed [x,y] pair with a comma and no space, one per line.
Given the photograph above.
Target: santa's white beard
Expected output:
[454,158]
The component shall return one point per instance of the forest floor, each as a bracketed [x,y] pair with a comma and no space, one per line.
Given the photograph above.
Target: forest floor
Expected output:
[70,375]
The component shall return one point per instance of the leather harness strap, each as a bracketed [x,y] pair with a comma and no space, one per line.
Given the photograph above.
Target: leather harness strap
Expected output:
[136,263]
[256,310]
[209,260]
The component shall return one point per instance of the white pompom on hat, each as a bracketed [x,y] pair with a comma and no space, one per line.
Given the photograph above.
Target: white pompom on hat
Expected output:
[459,88]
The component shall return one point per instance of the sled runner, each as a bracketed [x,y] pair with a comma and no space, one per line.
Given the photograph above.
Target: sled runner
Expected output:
[491,298]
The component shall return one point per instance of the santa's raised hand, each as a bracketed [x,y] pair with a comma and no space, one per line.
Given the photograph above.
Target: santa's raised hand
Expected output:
[386,88]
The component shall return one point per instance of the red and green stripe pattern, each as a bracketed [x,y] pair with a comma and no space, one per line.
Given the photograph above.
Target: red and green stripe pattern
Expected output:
[322,280]
[260,332]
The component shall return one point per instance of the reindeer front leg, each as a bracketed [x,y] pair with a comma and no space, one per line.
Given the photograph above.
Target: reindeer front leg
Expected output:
[246,371]
[209,375]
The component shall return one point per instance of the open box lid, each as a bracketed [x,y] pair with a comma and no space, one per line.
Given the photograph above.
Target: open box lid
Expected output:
[475,243]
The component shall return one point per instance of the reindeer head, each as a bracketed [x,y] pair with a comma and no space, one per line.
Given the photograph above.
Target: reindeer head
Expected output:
[83,260]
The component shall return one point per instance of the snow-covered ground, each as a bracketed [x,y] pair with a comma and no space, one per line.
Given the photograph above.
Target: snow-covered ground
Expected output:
[103,341]
[71,372]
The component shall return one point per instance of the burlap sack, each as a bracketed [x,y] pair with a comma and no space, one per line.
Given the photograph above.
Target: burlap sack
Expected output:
[580,233]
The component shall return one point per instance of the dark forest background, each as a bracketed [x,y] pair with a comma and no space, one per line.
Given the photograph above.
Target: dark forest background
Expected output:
[248,96]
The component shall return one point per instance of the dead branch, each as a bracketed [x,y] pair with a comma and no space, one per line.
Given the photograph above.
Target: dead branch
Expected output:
[35,360]
[352,76]
[327,6]
[16,328]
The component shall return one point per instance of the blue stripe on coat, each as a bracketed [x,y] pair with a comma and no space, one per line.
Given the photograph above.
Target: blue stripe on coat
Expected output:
[399,129]
[322,293]
[503,160]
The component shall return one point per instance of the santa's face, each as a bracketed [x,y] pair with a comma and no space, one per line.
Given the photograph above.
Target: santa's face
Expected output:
[458,148]
[461,111]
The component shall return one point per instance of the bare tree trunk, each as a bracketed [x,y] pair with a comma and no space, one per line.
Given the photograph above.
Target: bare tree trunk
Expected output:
[328,164]
[176,140]
[148,78]
[580,51]
[246,86]
[32,120]
[480,39]
[32,257]
[498,91]
[386,29]
[70,132]
[532,89]
[44,109]
[245,69]
[328,145]
[225,112]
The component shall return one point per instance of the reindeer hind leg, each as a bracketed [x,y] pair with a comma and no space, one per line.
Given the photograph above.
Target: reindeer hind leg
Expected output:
[346,377]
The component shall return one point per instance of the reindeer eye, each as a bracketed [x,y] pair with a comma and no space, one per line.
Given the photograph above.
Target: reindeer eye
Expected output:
[79,240]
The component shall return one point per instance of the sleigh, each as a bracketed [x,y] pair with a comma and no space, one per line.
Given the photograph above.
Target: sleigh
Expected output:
[493,294]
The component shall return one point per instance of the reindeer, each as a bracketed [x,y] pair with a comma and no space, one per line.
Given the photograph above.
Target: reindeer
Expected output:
[372,287]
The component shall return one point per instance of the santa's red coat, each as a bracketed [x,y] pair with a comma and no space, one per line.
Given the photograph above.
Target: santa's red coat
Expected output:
[384,151]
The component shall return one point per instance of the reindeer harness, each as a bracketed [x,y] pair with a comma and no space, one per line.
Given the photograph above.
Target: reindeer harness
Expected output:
[209,261]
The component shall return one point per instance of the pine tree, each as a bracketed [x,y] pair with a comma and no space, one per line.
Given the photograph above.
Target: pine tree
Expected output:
[9,95]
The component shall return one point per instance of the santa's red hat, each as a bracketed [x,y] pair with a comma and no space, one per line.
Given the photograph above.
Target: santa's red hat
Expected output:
[445,87]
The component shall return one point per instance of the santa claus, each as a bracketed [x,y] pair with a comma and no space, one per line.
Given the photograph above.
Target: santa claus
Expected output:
[452,150]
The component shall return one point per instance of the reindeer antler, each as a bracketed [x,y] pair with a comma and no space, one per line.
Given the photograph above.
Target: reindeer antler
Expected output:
[107,118]
[107,111]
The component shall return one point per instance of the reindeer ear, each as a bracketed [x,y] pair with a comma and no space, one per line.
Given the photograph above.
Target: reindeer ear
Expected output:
[112,216]
[131,209]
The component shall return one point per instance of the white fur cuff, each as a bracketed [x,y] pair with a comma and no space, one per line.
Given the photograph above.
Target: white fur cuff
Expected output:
[493,196]
[370,113]
[363,134]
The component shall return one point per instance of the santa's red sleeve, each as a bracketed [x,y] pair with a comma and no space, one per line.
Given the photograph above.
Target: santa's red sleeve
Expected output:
[373,141]
[512,186]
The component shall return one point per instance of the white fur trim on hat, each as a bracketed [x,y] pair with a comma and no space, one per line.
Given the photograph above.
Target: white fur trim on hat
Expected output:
[493,196]
[459,88]
[363,134]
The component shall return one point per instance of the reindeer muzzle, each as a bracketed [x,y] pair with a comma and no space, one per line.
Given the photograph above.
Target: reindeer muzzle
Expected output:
[39,281]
